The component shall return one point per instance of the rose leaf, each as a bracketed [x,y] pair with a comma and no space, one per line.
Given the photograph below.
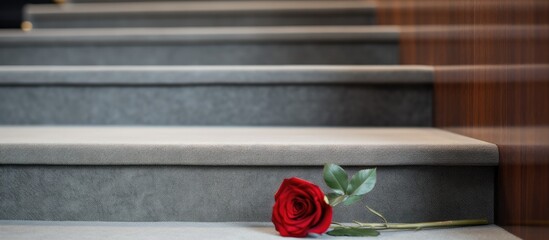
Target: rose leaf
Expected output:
[363,182]
[354,232]
[351,199]
[336,178]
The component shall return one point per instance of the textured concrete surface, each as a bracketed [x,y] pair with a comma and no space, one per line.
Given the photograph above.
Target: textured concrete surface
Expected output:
[225,193]
[206,46]
[212,75]
[177,14]
[217,95]
[30,230]
[299,53]
[241,146]
[217,104]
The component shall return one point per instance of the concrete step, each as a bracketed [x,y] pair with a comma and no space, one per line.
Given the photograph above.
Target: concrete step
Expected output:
[117,1]
[217,95]
[231,174]
[38,230]
[202,46]
[201,13]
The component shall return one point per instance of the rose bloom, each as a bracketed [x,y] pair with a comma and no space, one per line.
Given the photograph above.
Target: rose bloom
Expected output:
[300,208]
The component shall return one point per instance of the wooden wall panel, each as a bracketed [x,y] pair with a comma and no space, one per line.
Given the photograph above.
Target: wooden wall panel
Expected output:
[475,45]
[509,106]
[461,12]
[491,83]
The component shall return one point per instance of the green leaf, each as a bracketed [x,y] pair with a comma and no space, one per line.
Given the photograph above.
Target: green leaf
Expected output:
[363,182]
[353,232]
[335,198]
[351,199]
[336,178]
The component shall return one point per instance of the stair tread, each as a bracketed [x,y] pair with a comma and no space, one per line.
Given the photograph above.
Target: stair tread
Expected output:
[45,230]
[198,6]
[158,75]
[201,13]
[258,146]
[176,34]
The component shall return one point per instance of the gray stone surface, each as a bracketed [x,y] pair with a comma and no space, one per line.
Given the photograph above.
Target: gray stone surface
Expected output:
[225,193]
[221,104]
[31,230]
[205,13]
[217,95]
[206,46]
[202,54]
[241,146]
[214,75]
[115,1]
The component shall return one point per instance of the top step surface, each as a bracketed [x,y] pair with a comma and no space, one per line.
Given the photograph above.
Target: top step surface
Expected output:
[201,13]
[289,146]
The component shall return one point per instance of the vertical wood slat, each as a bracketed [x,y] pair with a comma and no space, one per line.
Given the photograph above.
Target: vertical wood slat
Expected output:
[492,85]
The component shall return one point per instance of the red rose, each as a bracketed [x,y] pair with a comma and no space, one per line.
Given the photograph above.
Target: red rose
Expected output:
[300,208]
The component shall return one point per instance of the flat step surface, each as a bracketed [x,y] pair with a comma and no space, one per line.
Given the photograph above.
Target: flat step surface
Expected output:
[325,45]
[201,13]
[214,75]
[197,34]
[241,146]
[30,230]
[200,6]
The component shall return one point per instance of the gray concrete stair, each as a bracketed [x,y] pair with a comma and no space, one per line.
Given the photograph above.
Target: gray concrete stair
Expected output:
[230,174]
[118,1]
[203,46]
[109,64]
[217,95]
[201,13]
[40,230]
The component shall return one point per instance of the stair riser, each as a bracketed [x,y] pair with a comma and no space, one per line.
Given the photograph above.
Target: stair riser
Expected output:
[202,193]
[257,105]
[199,20]
[220,53]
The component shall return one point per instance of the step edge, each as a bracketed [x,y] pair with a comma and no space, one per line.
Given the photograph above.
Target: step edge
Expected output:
[214,75]
[200,7]
[202,34]
[458,151]
[263,229]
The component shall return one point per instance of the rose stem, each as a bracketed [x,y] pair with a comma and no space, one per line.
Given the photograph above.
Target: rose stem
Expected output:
[417,226]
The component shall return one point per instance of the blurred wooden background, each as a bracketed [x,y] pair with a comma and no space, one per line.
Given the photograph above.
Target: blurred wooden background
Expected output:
[492,84]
